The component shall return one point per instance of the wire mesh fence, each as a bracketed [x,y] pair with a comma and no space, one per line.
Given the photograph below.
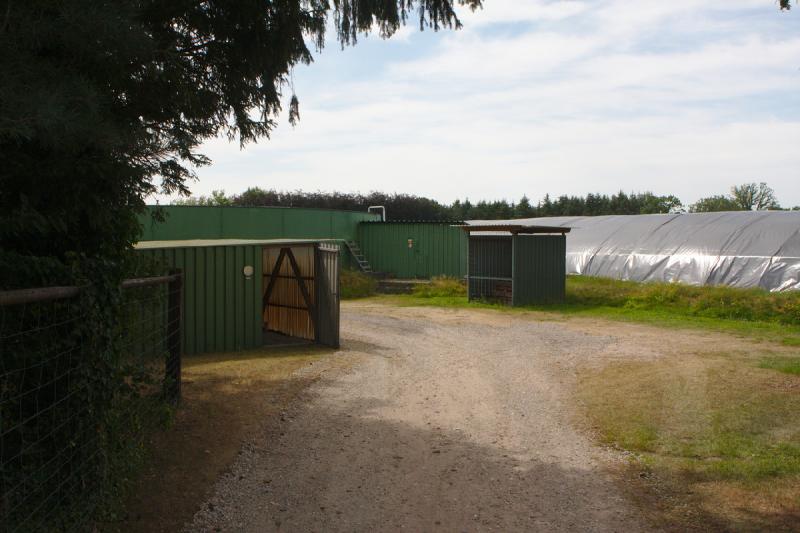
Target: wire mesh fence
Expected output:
[78,397]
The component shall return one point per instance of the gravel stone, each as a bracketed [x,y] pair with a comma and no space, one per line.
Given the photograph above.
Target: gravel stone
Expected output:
[458,419]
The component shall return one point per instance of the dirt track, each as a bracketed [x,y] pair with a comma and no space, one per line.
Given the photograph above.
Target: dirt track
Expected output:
[447,420]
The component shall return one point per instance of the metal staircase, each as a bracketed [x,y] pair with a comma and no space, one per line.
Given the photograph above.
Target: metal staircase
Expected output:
[363,264]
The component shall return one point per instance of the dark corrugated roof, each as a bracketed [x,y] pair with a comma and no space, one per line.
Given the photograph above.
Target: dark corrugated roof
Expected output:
[515,228]
[447,222]
[202,243]
[155,206]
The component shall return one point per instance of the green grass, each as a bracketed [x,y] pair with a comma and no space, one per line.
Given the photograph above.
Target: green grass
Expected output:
[787,365]
[751,312]
[711,418]
[354,284]
[441,287]
[717,430]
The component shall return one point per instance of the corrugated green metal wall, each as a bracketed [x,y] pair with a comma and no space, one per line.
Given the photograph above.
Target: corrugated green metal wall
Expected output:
[195,222]
[539,268]
[221,308]
[438,249]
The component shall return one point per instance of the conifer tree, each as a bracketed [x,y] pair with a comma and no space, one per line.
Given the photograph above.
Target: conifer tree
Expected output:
[103,103]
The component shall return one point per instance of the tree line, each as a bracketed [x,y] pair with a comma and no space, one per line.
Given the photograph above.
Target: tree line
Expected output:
[745,197]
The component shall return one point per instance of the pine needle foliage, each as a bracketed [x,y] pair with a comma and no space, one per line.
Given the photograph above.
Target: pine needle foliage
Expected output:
[103,103]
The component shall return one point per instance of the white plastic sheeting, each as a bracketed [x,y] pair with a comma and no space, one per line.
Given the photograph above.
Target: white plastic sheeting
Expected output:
[739,249]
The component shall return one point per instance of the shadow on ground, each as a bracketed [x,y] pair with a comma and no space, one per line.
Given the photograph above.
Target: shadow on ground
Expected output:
[349,467]
[226,397]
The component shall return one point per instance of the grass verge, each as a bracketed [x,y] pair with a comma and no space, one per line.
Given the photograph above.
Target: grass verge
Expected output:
[719,430]
[787,365]
[750,312]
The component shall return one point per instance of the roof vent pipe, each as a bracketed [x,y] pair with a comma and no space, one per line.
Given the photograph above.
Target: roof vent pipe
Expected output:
[382,208]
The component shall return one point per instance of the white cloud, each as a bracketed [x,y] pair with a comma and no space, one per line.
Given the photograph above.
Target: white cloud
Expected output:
[502,59]
[514,11]
[676,97]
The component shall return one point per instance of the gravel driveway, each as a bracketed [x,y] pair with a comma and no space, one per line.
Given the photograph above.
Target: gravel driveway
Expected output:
[452,420]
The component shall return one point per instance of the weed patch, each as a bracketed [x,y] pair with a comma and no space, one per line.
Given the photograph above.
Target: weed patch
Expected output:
[353,284]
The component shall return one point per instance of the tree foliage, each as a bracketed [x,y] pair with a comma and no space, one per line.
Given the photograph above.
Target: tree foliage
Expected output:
[748,196]
[410,207]
[398,206]
[217,198]
[744,197]
[754,197]
[717,202]
[103,103]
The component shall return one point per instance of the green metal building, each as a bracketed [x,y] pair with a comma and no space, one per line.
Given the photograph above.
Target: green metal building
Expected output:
[517,265]
[240,294]
[201,222]
[413,249]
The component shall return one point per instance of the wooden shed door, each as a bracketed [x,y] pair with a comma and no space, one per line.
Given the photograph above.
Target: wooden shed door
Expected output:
[289,304]
[328,295]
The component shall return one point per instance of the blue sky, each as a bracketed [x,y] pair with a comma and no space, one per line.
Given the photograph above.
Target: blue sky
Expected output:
[684,97]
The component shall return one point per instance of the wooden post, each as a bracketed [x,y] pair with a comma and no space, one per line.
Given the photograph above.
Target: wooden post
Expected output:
[318,289]
[174,337]
[272,279]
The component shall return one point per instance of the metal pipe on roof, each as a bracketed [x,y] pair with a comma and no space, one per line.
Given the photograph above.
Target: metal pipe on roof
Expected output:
[382,208]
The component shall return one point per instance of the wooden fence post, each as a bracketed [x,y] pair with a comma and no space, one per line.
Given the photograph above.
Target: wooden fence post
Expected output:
[174,337]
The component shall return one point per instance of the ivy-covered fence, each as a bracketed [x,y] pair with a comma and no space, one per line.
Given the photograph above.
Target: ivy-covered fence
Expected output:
[80,390]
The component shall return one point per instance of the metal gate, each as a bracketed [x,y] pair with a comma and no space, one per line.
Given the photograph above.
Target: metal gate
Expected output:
[327,329]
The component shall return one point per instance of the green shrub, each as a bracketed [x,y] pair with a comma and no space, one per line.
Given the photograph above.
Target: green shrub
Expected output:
[441,286]
[354,284]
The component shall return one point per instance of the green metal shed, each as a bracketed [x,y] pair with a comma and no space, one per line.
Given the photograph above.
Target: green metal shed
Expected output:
[240,294]
[517,265]
[414,249]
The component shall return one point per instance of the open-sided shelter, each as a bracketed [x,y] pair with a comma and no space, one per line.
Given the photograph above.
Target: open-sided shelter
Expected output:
[516,264]
[240,294]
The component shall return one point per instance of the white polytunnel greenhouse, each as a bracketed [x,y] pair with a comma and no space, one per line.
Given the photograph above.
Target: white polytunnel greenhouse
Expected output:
[734,248]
